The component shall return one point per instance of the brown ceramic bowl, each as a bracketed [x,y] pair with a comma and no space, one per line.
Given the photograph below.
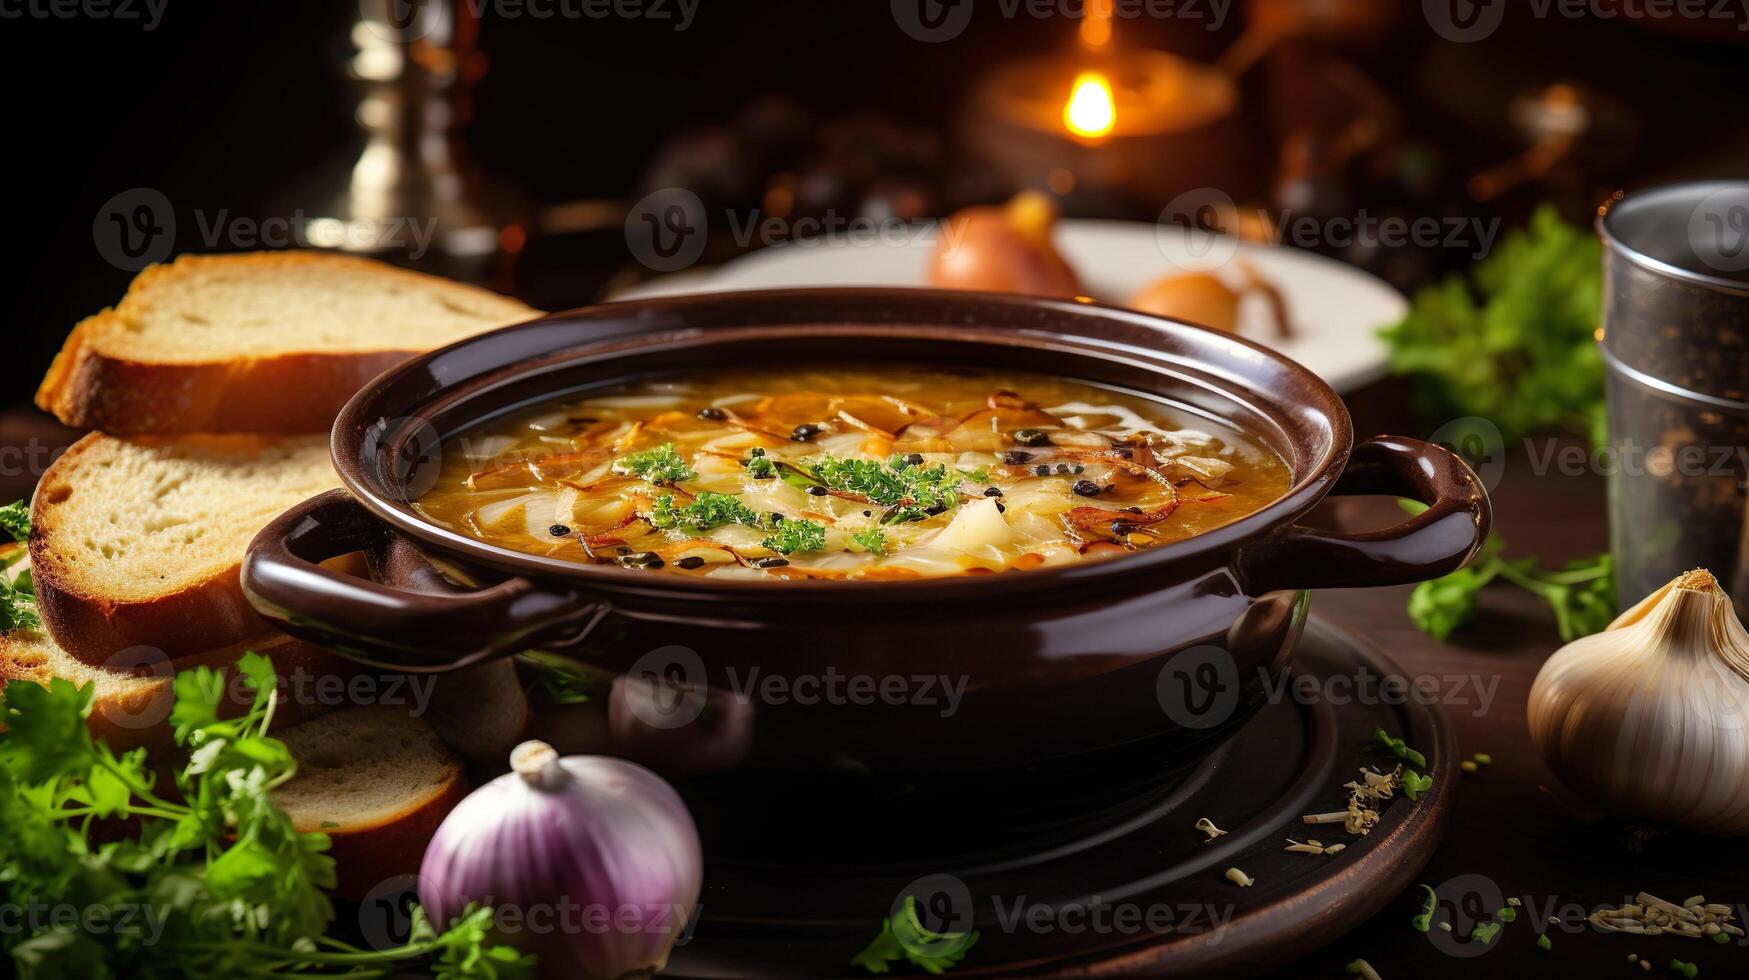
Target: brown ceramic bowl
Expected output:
[1167,648]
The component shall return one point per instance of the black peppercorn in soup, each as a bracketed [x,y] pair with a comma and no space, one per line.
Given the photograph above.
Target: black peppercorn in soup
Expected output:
[849,473]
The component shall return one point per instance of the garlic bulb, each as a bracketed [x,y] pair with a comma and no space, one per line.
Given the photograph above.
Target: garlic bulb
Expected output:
[1650,717]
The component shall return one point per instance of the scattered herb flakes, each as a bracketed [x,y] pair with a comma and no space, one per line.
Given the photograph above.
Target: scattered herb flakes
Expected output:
[1363,970]
[1484,932]
[1208,827]
[904,938]
[1399,748]
[658,465]
[240,890]
[1544,943]
[1688,970]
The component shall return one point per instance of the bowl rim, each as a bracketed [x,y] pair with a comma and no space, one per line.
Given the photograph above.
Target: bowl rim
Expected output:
[359,415]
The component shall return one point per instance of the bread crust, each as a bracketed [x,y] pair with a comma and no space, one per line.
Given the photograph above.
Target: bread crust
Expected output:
[281,394]
[93,627]
[365,857]
[88,389]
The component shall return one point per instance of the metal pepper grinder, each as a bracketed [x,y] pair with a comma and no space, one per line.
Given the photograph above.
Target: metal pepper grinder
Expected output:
[412,197]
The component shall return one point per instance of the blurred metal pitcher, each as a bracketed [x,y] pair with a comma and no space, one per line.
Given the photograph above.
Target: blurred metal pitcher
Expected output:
[1676,348]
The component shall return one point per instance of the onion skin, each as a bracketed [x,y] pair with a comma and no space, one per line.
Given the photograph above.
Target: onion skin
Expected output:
[590,863]
[1198,297]
[1003,249]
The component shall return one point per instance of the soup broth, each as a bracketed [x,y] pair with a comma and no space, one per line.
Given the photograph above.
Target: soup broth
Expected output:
[849,473]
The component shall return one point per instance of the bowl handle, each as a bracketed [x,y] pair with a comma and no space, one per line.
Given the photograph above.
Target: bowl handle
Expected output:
[394,628]
[1439,540]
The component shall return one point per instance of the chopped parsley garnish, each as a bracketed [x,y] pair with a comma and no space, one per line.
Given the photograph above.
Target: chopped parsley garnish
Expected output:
[760,466]
[872,540]
[792,535]
[912,491]
[659,465]
[707,512]
[15,518]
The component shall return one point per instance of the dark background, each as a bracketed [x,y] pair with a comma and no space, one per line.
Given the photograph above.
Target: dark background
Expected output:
[232,105]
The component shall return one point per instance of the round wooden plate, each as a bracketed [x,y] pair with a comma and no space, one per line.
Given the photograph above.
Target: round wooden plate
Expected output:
[1139,892]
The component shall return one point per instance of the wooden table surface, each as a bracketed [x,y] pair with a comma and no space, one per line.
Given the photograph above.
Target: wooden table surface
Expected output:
[1511,829]
[1512,826]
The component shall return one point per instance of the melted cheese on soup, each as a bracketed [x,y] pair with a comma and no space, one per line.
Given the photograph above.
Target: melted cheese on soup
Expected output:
[849,473]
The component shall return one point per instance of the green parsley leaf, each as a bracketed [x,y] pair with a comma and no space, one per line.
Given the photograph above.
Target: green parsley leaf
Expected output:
[659,465]
[15,518]
[707,512]
[872,540]
[236,890]
[1582,594]
[792,536]
[911,492]
[1414,784]
[903,937]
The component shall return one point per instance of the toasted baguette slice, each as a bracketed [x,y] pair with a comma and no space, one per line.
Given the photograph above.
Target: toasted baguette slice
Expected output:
[140,541]
[131,705]
[259,342]
[377,781]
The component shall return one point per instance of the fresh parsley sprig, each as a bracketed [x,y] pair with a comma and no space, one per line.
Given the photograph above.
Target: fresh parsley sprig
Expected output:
[228,885]
[910,490]
[1582,594]
[15,519]
[17,592]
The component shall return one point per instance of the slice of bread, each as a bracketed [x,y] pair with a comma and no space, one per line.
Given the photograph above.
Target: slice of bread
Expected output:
[131,705]
[377,781]
[269,342]
[140,541]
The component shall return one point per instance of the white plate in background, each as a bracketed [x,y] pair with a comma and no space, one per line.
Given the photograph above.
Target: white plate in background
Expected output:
[1336,309]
